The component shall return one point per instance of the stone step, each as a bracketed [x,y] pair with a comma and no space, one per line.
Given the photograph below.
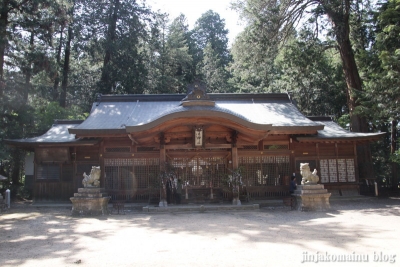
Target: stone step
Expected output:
[316,191]
[310,187]
[201,208]
[88,195]
[323,195]
[91,190]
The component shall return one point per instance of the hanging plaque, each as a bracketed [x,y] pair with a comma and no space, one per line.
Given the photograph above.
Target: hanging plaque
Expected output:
[198,137]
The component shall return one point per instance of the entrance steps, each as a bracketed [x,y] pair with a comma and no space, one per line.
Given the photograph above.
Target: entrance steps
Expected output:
[200,208]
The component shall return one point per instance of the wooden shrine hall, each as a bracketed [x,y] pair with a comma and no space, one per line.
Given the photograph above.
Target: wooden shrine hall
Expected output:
[200,138]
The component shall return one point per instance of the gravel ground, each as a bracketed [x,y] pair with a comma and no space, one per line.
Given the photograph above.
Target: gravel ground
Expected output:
[360,232]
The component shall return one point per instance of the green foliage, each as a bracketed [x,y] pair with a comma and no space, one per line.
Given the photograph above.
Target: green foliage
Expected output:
[395,157]
[171,62]
[210,30]
[179,59]
[46,112]
[308,71]
[253,67]
[213,72]
[211,43]
[344,121]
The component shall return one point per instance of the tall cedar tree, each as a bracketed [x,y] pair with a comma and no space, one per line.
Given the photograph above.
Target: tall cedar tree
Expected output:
[281,17]
[210,30]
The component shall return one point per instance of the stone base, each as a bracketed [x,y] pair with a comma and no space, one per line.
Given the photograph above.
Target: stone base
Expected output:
[90,201]
[312,197]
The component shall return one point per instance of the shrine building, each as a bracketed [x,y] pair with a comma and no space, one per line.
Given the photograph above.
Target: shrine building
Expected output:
[199,137]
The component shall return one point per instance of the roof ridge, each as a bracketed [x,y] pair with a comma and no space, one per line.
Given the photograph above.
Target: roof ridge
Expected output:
[180,97]
[66,121]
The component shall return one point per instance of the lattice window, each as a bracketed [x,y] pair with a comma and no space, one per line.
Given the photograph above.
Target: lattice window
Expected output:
[48,171]
[119,177]
[249,147]
[341,170]
[333,178]
[128,174]
[118,174]
[145,149]
[341,163]
[200,171]
[125,149]
[146,172]
[324,172]
[276,147]
[351,174]
[118,162]
[265,170]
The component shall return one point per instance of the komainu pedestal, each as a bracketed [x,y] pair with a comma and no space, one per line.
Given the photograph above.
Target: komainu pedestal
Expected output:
[90,201]
[312,197]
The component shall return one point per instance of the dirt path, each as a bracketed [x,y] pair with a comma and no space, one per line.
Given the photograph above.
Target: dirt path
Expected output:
[363,230]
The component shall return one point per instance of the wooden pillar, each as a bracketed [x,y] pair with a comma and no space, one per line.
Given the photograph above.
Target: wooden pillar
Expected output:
[337,164]
[102,167]
[235,159]
[292,157]
[163,193]
[35,185]
[75,168]
[162,152]
[356,162]
[317,151]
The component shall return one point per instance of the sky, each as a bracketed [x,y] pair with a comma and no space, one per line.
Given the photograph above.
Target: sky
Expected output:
[193,9]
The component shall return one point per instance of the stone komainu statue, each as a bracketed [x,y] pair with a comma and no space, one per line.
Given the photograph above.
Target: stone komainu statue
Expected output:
[307,176]
[93,179]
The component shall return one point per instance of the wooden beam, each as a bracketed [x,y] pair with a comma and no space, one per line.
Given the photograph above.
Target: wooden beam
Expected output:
[179,146]
[208,145]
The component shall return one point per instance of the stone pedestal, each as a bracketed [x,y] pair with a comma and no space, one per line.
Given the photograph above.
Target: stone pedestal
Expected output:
[312,197]
[90,201]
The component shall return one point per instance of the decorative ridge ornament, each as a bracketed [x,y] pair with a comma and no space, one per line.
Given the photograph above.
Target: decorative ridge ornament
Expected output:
[197,96]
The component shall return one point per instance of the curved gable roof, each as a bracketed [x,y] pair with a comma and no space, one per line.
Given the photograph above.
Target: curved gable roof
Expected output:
[133,113]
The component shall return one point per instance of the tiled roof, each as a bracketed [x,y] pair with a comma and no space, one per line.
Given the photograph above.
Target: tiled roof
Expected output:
[333,131]
[131,113]
[57,134]
[140,112]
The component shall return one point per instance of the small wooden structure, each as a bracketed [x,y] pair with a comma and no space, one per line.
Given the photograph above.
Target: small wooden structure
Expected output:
[199,137]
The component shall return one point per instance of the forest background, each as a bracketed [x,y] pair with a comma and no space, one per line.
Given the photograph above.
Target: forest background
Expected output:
[339,58]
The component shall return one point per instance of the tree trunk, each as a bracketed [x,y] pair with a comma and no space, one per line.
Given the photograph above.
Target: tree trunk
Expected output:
[340,23]
[58,58]
[3,41]
[64,85]
[28,74]
[16,156]
[105,82]
[63,96]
